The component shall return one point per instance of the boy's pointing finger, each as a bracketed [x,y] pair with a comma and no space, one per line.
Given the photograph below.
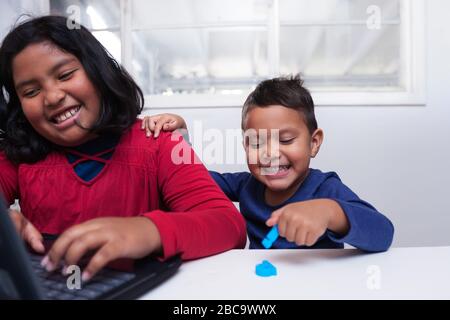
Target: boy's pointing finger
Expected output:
[274,218]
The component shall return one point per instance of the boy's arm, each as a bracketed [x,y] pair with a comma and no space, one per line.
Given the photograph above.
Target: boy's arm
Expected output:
[231,183]
[201,221]
[369,230]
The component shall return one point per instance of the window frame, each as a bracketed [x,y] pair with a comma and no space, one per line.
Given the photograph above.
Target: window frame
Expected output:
[413,65]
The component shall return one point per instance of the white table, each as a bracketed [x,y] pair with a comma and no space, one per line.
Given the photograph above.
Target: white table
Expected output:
[400,273]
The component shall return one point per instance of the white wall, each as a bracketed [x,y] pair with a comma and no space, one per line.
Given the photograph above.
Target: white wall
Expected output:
[10,8]
[397,158]
[394,157]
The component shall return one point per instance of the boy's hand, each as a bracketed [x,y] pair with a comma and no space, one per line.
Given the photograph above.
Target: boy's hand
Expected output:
[164,121]
[305,222]
[110,238]
[27,231]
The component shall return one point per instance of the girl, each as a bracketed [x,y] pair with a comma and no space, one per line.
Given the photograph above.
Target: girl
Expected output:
[72,152]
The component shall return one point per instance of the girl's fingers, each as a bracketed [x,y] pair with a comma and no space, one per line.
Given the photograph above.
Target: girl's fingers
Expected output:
[33,237]
[27,231]
[59,248]
[77,249]
[18,219]
[102,257]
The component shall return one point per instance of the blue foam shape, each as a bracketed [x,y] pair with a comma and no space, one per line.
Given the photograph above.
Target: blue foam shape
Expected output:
[270,238]
[265,269]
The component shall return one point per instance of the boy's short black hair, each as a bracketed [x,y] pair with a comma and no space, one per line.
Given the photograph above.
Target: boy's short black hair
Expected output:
[284,91]
[121,98]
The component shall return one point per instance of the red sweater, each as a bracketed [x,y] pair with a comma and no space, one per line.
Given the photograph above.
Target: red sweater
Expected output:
[139,179]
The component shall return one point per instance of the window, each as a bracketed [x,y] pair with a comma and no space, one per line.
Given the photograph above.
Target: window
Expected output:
[101,17]
[194,53]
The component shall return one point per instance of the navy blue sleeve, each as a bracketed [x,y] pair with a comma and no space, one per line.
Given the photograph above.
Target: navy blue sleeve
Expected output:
[369,230]
[231,183]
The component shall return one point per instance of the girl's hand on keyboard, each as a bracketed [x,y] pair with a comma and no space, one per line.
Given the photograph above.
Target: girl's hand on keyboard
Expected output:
[27,231]
[110,238]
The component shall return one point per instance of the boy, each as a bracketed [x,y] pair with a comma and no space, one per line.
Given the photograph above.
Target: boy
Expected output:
[312,209]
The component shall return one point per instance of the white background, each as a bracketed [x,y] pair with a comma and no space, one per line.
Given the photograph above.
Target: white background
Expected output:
[395,157]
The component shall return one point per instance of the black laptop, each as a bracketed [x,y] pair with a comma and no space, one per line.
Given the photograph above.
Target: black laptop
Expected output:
[22,277]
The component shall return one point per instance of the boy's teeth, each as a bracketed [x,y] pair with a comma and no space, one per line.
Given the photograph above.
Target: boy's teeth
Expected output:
[271,170]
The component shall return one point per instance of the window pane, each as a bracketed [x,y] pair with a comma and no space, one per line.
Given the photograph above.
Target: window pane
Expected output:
[342,56]
[152,13]
[336,10]
[94,15]
[330,43]
[11,12]
[199,46]
[98,14]
[199,60]
[111,41]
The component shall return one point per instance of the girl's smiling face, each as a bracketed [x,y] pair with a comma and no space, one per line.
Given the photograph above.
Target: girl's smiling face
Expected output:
[57,96]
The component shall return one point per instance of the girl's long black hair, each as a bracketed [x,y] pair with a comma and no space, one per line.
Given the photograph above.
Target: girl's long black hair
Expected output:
[121,98]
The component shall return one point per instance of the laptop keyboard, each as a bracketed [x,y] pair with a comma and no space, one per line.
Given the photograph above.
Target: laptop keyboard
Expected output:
[55,284]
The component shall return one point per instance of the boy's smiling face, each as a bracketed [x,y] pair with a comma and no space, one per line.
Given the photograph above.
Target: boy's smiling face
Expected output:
[55,93]
[279,156]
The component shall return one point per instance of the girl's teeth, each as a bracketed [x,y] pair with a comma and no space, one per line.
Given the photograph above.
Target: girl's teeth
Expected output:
[68,114]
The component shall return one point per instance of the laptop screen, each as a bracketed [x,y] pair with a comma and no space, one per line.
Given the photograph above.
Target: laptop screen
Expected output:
[16,276]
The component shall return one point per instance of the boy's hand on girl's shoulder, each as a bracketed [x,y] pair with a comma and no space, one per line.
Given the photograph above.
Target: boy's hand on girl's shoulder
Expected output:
[165,121]
[110,239]
[304,222]
[27,231]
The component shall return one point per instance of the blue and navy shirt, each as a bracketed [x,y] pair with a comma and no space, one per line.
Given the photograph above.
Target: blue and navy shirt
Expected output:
[89,159]
[369,229]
